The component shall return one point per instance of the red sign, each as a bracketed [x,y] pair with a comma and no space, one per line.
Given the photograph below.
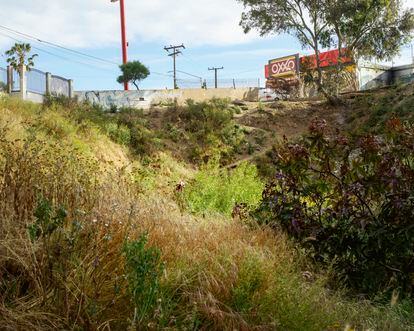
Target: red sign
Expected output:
[285,66]
[288,66]
[327,59]
[267,71]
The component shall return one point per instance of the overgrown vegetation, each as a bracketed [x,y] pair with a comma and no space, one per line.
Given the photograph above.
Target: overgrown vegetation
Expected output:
[372,111]
[206,129]
[349,203]
[91,237]
[209,130]
[215,190]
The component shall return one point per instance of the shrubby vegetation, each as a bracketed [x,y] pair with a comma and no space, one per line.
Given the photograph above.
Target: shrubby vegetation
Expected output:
[3,87]
[348,201]
[82,248]
[209,130]
[216,190]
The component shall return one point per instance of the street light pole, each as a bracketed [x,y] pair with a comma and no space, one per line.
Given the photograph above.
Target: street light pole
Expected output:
[123,35]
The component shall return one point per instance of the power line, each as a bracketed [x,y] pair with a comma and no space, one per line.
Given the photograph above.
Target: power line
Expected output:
[188,74]
[160,74]
[57,45]
[174,54]
[52,54]
[71,60]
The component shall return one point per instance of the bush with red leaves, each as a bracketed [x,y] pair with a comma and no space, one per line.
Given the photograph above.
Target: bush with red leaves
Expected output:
[349,201]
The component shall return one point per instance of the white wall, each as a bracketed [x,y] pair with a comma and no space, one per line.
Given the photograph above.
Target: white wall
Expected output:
[30,96]
[373,76]
[145,98]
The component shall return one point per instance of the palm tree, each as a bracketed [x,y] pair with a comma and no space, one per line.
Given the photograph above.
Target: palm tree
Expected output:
[19,59]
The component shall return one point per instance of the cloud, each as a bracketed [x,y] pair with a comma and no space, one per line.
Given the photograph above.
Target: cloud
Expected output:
[95,23]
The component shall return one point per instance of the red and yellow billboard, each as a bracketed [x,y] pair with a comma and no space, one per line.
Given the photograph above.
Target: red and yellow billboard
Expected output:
[284,67]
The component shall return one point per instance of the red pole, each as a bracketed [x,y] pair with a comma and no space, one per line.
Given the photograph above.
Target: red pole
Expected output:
[124,41]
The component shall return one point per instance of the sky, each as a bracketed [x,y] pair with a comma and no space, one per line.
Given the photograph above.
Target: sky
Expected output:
[209,29]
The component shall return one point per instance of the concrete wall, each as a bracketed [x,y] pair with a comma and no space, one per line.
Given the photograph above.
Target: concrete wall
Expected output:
[373,76]
[146,98]
[403,74]
[30,96]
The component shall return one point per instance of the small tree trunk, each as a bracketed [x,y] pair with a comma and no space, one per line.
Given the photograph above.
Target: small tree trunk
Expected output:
[334,100]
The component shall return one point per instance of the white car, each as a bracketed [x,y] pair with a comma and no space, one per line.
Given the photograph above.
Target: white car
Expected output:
[266,94]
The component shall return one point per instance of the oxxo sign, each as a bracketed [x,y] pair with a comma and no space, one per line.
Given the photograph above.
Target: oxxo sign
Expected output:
[285,66]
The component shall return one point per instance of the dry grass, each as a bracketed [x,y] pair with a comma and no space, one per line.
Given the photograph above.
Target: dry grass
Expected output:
[218,274]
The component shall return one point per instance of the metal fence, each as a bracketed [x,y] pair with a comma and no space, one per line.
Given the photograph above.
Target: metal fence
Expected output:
[221,83]
[3,77]
[36,81]
[16,81]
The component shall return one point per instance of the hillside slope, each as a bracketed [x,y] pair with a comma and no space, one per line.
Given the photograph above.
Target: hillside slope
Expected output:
[95,233]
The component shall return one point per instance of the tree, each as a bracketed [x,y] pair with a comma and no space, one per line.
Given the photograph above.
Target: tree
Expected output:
[18,57]
[371,28]
[303,19]
[133,72]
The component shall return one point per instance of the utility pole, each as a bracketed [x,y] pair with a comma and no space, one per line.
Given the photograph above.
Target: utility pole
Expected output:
[123,36]
[175,51]
[215,74]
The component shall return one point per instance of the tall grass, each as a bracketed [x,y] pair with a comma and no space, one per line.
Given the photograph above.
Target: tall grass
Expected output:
[78,241]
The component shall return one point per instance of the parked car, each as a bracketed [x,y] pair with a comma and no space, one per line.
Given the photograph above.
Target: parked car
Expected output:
[266,94]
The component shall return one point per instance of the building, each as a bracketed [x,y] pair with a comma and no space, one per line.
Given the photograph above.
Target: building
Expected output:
[292,75]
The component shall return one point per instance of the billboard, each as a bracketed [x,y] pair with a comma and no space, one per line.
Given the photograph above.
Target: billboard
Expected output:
[284,66]
[327,59]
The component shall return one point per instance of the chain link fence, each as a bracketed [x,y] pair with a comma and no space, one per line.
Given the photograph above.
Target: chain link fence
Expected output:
[221,83]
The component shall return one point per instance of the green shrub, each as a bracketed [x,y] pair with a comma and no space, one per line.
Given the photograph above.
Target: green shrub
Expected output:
[119,133]
[211,130]
[144,269]
[3,87]
[47,220]
[349,203]
[51,99]
[215,190]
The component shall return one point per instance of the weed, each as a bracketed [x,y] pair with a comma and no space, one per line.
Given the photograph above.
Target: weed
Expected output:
[119,133]
[261,109]
[215,190]
[143,269]
[81,267]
